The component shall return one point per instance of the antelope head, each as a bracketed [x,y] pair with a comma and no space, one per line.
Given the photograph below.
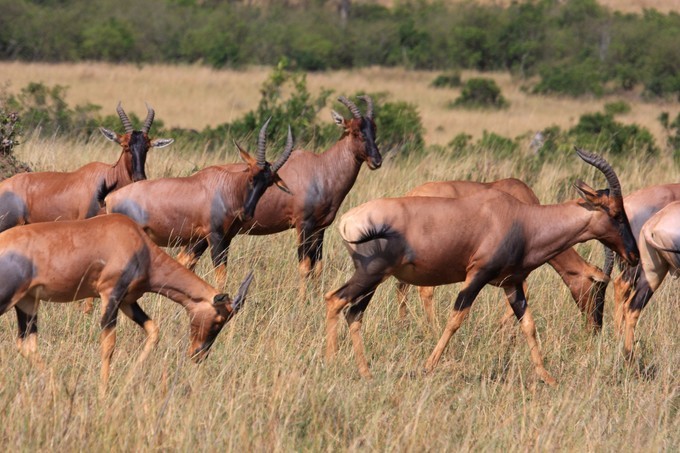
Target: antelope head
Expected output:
[135,144]
[208,319]
[612,228]
[361,129]
[262,174]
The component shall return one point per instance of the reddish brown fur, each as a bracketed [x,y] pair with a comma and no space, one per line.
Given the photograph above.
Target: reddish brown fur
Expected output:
[581,278]
[319,184]
[487,238]
[110,257]
[49,196]
[201,210]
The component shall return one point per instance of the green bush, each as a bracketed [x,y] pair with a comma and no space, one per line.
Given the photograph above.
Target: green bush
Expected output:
[574,80]
[497,144]
[480,93]
[400,128]
[600,132]
[450,80]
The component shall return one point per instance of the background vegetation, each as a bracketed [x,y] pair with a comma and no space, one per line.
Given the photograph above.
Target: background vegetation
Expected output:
[570,47]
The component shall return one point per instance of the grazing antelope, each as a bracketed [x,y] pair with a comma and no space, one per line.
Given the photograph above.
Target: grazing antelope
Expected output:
[640,206]
[49,196]
[207,207]
[659,244]
[319,184]
[110,257]
[582,279]
[487,238]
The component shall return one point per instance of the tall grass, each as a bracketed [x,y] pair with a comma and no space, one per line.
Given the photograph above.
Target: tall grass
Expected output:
[265,386]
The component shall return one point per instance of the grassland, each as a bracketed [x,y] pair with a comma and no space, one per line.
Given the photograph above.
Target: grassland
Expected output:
[265,386]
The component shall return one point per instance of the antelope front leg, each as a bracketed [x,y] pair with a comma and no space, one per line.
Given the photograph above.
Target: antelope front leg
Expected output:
[135,313]
[190,255]
[334,306]
[309,256]
[27,340]
[219,253]
[107,339]
[518,302]
[354,317]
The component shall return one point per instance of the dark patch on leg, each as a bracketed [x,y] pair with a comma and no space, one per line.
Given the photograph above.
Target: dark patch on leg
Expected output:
[27,324]
[16,272]
[138,315]
[519,302]
[13,211]
[642,294]
[135,267]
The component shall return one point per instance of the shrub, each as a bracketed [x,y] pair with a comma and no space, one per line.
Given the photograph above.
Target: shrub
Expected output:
[480,93]
[599,131]
[616,108]
[497,144]
[450,80]
[571,79]
[400,128]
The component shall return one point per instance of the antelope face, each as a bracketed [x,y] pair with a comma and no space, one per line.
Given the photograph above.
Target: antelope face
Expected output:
[612,228]
[138,145]
[372,155]
[207,322]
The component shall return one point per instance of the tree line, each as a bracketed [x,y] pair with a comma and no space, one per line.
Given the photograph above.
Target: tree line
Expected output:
[571,47]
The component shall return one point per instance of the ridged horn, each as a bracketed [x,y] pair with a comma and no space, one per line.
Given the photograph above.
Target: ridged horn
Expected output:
[351,106]
[149,118]
[242,292]
[602,165]
[286,152]
[261,144]
[124,118]
[369,105]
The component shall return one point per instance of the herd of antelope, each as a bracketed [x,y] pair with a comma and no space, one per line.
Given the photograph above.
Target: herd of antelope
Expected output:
[111,223]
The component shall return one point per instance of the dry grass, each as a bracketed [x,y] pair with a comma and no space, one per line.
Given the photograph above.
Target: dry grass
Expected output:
[265,386]
[195,96]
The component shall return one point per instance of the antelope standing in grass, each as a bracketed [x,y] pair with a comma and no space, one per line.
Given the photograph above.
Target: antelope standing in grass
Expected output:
[49,196]
[319,184]
[659,244]
[487,238]
[110,257]
[640,206]
[582,279]
[207,207]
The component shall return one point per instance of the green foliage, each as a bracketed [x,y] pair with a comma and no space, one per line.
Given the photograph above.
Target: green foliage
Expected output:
[450,80]
[498,145]
[616,108]
[460,142]
[480,93]
[672,129]
[600,132]
[574,80]
[10,131]
[400,128]
[575,47]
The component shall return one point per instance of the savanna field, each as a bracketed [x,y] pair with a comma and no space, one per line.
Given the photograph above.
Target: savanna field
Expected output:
[265,385]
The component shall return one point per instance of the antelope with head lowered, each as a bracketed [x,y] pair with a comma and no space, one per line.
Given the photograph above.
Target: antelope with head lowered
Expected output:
[659,243]
[209,206]
[487,238]
[319,184]
[640,206]
[583,280]
[49,196]
[110,257]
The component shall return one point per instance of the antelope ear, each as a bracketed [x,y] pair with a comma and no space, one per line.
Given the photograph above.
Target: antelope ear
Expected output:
[110,135]
[338,119]
[161,142]
[247,158]
[588,193]
[222,299]
[282,185]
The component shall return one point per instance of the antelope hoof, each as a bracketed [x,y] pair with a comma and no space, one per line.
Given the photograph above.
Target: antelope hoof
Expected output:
[546,377]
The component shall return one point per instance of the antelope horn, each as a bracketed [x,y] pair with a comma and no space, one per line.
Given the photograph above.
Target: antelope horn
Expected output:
[242,292]
[124,118]
[149,119]
[262,143]
[286,152]
[602,165]
[351,106]
[369,105]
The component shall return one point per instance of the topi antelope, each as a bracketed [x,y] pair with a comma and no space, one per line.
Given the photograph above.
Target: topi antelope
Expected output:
[110,257]
[582,279]
[49,196]
[659,244]
[640,206]
[319,184]
[207,207]
[487,238]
